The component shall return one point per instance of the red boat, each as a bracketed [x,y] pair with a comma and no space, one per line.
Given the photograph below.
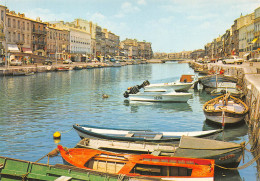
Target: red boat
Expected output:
[149,166]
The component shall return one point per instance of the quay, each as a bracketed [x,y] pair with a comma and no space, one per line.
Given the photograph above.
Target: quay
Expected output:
[40,67]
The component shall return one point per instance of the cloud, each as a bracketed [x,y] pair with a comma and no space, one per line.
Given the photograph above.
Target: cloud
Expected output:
[98,17]
[47,15]
[126,8]
[141,2]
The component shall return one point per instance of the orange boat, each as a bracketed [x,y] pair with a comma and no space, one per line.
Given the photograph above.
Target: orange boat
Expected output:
[149,166]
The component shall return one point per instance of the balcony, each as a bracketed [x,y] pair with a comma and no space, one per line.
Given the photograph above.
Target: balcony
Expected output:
[19,42]
[39,42]
[39,32]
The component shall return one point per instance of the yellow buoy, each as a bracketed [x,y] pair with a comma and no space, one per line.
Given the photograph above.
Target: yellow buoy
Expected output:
[56,135]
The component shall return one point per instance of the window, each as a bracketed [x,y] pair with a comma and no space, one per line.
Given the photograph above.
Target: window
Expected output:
[9,36]
[28,26]
[9,22]
[23,26]
[14,36]
[2,15]
[14,23]
[18,26]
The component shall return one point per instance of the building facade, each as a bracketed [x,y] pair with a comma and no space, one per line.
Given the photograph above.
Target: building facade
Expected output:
[58,43]
[80,41]
[18,36]
[3,45]
[39,37]
[256,41]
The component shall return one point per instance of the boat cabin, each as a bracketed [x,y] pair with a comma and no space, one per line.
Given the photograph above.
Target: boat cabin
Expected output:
[187,78]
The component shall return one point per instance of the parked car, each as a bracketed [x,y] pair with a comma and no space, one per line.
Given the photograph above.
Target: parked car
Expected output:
[47,62]
[254,60]
[68,61]
[15,63]
[233,60]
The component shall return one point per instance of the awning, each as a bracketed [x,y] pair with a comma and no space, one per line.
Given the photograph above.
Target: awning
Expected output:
[254,40]
[246,54]
[13,48]
[26,50]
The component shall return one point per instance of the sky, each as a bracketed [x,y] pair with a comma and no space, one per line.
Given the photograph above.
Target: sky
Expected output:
[170,25]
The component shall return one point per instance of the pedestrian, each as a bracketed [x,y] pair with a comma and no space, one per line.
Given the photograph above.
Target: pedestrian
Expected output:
[32,61]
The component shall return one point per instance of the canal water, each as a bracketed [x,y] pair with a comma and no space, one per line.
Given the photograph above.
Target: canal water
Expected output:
[33,107]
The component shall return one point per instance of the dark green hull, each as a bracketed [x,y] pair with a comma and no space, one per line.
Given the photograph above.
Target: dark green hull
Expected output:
[14,169]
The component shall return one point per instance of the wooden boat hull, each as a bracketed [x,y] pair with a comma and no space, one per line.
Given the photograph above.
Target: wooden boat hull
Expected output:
[224,153]
[212,80]
[229,118]
[147,166]
[220,91]
[87,131]
[160,97]
[225,109]
[16,169]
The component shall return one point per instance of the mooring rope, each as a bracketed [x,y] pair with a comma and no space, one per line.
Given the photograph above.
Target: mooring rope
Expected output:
[66,131]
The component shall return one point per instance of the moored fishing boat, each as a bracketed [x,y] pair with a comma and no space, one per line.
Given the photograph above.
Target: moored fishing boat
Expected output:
[87,131]
[213,80]
[235,92]
[64,68]
[225,154]
[16,169]
[150,166]
[225,109]
[184,84]
[160,96]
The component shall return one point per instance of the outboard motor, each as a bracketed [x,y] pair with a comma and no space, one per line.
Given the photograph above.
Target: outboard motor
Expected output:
[134,90]
[126,94]
[145,83]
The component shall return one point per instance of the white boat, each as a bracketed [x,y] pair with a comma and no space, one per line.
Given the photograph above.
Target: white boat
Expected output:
[184,84]
[171,96]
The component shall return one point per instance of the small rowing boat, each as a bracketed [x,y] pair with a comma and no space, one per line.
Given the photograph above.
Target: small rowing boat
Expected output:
[225,109]
[88,131]
[145,165]
[225,154]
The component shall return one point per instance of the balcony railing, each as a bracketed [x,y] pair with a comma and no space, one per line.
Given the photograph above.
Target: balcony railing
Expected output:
[19,42]
[39,42]
[42,32]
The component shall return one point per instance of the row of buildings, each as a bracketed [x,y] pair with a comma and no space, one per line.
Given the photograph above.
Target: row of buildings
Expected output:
[181,55]
[25,38]
[242,39]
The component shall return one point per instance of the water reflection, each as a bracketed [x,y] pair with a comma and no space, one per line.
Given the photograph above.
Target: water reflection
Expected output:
[168,107]
[226,175]
[231,133]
